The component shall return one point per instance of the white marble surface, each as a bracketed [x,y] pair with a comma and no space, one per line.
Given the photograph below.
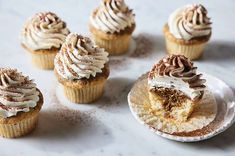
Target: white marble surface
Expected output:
[107,127]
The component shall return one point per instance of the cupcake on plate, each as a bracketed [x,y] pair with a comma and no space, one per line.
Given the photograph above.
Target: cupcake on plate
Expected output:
[187,31]
[20,103]
[112,25]
[174,87]
[42,36]
[81,67]
[174,101]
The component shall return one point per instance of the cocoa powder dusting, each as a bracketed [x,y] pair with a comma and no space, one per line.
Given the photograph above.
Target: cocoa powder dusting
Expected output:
[170,97]
[117,63]
[144,45]
[68,115]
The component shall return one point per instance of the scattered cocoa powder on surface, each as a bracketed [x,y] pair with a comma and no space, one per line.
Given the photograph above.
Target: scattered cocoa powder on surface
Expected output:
[144,45]
[68,115]
[117,63]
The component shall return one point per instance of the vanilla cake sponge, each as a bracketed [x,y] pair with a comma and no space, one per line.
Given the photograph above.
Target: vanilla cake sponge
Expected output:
[173,103]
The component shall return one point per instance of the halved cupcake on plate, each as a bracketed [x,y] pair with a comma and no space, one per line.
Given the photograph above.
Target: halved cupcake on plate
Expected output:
[178,103]
[175,87]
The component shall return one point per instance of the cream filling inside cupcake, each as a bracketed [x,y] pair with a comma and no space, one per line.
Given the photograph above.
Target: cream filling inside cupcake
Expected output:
[174,83]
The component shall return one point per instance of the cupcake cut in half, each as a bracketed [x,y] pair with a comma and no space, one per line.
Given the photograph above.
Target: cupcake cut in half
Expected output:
[42,36]
[82,69]
[175,87]
[20,103]
[112,25]
[187,31]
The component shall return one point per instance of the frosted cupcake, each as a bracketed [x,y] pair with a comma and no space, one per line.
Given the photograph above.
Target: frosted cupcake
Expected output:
[42,36]
[20,103]
[81,67]
[175,87]
[112,25]
[187,31]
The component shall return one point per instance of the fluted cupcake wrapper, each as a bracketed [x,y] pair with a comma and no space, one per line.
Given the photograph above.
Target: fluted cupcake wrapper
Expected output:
[86,94]
[191,51]
[19,128]
[115,46]
[43,61]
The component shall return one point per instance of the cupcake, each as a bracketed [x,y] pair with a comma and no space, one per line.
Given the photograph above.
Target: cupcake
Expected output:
[112,25]
[187,31]
[42,36]
[20,103]
[175,88]
[81,67]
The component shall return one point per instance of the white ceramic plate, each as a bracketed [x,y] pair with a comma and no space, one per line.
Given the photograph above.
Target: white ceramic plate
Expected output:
[224,118]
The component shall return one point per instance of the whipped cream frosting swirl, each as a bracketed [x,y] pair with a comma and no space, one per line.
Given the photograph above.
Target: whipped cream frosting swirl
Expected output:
[177,71]
[112,16]
[190,22]
[17,93]
[79,58]
[44,30]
